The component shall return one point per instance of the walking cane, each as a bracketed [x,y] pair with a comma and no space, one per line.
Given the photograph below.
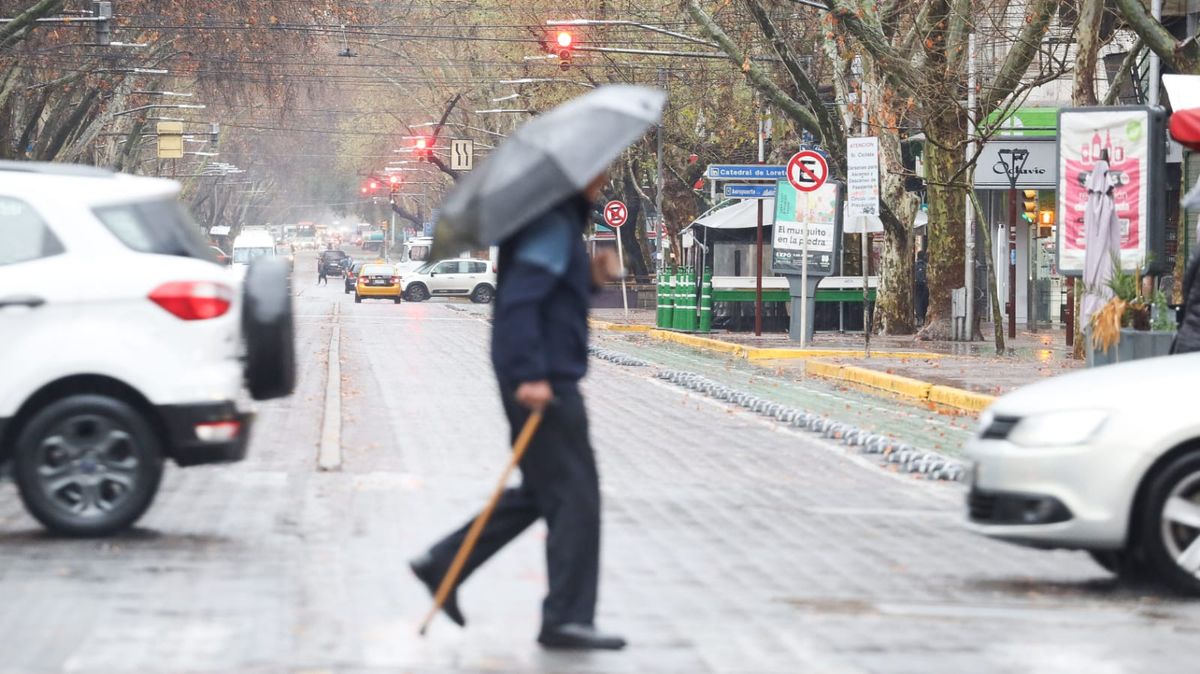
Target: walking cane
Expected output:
[468,544]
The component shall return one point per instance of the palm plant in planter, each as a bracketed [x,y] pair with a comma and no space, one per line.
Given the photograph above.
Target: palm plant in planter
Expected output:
[1129,326]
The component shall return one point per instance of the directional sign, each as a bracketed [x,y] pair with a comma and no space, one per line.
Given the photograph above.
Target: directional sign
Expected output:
[745,172]
[748,191]
[807,171]
[462,154]
[615,213]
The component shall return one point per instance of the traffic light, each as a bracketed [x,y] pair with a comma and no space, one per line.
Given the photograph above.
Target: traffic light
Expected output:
[103,11]
[1045,224]
[564,44]
[1031,206]
[422,148]
[394,182]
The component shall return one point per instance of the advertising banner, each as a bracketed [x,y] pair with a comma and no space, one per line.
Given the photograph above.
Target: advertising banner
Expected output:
[1132,139]
[819,212]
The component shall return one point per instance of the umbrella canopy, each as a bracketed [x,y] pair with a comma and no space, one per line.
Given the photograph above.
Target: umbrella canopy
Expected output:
[545,161]
[1102,234]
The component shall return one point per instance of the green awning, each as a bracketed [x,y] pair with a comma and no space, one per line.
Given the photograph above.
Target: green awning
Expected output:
[1026,121]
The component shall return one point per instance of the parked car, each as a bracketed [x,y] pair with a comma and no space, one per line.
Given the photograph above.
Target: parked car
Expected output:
[379,281]
[462,277]
[106,380]
[351,277]
[1105,460]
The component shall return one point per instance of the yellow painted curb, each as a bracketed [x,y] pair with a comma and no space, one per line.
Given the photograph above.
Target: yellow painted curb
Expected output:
[805,354]
[963,400]
[947,396]
[619,327]
[705,343]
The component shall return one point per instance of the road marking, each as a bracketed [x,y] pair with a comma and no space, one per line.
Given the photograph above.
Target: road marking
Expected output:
[329,455]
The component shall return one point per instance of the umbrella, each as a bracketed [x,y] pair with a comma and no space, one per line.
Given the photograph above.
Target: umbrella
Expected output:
[545,161]
[1102,235]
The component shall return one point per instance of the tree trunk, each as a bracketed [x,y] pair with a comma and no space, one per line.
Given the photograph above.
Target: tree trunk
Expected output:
[634,261]
[1087,38]
[947,204]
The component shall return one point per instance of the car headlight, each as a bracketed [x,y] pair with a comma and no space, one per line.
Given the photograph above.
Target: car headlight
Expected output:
[1058,429]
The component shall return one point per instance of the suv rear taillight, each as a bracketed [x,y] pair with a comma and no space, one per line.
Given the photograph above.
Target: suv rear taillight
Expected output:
[193,300]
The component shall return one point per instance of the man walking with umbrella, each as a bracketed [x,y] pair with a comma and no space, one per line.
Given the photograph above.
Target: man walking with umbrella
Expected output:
[533,197]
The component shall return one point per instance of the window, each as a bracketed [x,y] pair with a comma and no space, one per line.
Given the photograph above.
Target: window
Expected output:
[446,268]
[245,255]
[23,235]
[160,227]
[478,268]
[418,253]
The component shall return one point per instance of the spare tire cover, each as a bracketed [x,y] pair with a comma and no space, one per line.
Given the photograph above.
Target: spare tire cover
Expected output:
[268,330]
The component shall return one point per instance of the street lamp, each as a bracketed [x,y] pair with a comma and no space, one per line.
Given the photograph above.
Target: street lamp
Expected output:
[166,94]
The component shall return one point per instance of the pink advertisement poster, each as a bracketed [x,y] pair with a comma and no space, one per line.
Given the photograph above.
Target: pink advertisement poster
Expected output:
[1084,137]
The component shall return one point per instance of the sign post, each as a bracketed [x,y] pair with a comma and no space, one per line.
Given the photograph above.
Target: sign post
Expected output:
[615,215]
[862,201]
[806,172]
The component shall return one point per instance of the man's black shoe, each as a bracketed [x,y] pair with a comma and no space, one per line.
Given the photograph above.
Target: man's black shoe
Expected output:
[422,568]
[575,636]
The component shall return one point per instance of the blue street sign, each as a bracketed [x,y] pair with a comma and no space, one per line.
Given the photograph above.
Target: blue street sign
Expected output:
[751,191]
[427,229]
[746,172]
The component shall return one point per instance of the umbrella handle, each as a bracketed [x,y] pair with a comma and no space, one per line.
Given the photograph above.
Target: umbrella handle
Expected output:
[472,537]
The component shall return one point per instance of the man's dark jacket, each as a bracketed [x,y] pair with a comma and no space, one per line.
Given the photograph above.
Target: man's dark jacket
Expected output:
[1187,339]
[540,329]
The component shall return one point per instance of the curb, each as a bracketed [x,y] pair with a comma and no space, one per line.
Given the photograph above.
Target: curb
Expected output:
[618,327]
[907,387]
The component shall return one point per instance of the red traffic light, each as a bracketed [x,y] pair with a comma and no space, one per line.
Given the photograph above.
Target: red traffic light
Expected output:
[565,39]
[421,143]
[373,185]
[395,180]
[364,189]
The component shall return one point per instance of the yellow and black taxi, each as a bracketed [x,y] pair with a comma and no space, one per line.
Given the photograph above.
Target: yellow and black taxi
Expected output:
[377,280]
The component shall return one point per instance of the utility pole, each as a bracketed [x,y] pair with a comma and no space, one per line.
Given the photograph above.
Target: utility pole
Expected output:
[970,221]
[660,248]
[758,276]
[1013,162]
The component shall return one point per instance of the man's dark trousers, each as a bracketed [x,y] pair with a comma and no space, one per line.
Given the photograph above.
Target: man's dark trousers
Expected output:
[559,483]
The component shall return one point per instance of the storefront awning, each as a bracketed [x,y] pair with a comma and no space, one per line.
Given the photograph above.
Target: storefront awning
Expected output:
[1026,121]
[741,215]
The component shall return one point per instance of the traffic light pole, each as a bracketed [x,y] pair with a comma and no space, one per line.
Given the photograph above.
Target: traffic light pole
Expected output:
[660,248]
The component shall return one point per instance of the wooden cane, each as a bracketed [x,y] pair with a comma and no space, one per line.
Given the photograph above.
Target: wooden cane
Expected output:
[468,544]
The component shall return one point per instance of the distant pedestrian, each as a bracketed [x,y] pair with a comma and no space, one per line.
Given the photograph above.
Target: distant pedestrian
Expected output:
[322,277]
[921,296]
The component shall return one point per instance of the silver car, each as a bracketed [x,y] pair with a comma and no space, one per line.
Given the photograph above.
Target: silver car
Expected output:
[1105,460]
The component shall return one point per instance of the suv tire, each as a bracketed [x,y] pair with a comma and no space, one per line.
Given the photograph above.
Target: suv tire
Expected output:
[1169,528]
[87,465]
[268,329]
[483,294]
[417,292]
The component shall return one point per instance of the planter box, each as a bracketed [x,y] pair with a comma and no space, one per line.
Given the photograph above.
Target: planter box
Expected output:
[1134,345]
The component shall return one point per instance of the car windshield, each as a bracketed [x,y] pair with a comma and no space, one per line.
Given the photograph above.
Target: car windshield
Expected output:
[333,254]
[245,255]
[376,270]
[424,269]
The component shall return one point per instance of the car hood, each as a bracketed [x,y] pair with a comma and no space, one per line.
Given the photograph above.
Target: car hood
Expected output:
[1140,383]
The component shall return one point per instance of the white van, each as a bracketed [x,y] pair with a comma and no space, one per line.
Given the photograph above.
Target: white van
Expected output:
[251,244]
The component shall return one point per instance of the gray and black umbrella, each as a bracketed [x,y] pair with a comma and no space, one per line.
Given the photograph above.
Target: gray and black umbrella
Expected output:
[1102,235]
[545,161]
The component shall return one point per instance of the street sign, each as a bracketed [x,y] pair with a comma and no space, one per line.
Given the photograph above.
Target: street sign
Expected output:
[615,213]
[745,172]
[462,154]
[819,213]
[807,171]
[748,191]
[170,140]
[862,176]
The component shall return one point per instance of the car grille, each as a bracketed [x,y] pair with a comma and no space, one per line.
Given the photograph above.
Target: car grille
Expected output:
[981,506]
[999,428]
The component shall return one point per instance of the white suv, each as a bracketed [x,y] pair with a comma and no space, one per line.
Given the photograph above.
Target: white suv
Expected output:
[461,277]
[122,343]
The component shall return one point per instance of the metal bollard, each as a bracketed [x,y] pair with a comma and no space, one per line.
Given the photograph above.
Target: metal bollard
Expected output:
[706,293]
